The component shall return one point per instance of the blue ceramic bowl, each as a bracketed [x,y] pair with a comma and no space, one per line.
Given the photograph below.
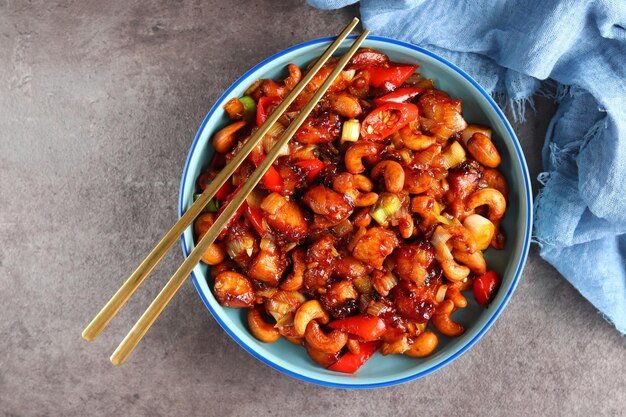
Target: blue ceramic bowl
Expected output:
[478,107]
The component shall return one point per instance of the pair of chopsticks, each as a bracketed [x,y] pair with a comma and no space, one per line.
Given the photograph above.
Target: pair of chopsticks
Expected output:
[122,295]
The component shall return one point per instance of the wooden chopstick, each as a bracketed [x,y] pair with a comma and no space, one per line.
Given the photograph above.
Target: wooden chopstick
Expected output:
[140,328]
[122,295]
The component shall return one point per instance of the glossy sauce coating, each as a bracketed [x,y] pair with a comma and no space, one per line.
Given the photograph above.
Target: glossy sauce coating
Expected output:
[367,225]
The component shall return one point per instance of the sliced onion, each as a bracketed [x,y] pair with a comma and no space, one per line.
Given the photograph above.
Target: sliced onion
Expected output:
[273,202]
[441,293]
[481,229]
[453,155]
[469,131]
[272,136]
[358,235]
[268,245]
[255,198]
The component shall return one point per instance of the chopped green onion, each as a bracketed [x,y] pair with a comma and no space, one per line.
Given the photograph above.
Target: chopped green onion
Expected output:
[387,205]
[350,132]
[363,284]
[211,206]
[249,108]
[376,308]
[437,208]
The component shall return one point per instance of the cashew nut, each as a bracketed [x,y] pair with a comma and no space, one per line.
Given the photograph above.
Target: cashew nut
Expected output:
[356,187]
[462,239]
[469,131]
[396,347]
[203,223]
[307,312]
[423,345]
[452,270]
[359,150]
[406,225]
[261,329]
[393,174]
[492,198]
[224,140]
[294,76]
[464,285]
[289,334]
[214,254]
[234,290]
[474,261]
[442,320]
[494,179]
[329,343]
[414,140]
[483,150]
[354,346]
[456,297]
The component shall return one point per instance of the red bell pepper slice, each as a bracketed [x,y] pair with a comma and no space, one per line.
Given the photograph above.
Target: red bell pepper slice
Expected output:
[349,363]
[395,75]
[272,179]
[401,95]
[388,119]
[265,107]
[312,167]
[366,327]
[224,191]
[256,219]
[237,215]
[485,287]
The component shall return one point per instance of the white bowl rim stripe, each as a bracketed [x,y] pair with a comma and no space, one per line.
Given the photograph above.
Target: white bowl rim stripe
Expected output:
[527,234]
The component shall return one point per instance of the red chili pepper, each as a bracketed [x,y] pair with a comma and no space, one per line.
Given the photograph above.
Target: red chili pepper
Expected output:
[312,167]
[237,215]
[272,179]
[224,191]
[485,287]
[256,219]
[349,363]
[401,95]
[265,107]
[395,75]
[364,326]
[388,119]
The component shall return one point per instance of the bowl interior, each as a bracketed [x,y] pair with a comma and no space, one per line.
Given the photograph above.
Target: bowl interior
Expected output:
[380,371]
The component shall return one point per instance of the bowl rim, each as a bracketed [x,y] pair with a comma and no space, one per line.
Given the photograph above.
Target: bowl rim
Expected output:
[518,272]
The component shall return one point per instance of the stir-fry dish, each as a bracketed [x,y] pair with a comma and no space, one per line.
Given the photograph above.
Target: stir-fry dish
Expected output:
[367,230]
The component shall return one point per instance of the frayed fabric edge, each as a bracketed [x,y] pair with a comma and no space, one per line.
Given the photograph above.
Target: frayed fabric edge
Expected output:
[517,106]
[553,90]
[549,89]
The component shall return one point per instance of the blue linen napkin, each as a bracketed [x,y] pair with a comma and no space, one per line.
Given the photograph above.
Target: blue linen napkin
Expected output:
[510,47]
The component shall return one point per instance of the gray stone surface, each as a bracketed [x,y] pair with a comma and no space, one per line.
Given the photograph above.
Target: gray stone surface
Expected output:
[99,103]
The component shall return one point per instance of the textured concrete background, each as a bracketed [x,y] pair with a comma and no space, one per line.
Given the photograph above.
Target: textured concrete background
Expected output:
[99,103]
